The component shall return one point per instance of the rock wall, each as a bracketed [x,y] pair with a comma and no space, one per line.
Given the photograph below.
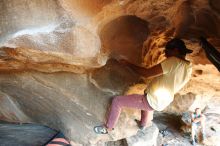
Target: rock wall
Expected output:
[68,102]
[22,14]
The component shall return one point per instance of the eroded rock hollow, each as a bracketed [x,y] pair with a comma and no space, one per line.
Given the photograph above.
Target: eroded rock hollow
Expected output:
[58,60]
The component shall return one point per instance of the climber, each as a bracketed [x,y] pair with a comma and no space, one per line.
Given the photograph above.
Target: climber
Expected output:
[212,54]
[198,121]
[169,77]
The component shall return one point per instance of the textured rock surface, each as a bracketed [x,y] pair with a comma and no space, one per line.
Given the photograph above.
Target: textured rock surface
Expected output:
[69,33]
[124,37]
[53,40]
[25,134]
[73,40]
[67,102]
[147,137]
[22,14]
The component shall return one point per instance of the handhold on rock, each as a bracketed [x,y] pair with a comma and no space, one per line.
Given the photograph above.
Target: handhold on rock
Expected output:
[213,129]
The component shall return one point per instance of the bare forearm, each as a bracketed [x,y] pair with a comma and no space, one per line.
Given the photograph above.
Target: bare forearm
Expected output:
[196,120]
[146,72]
[137,69]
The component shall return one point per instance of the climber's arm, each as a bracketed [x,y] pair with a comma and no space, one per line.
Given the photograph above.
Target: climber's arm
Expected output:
[146,72]
[196,120]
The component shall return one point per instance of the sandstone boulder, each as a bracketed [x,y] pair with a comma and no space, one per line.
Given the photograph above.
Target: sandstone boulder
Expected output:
[71,103]
[147,137]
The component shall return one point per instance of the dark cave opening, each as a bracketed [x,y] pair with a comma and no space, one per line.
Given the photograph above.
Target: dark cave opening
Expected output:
[124,37]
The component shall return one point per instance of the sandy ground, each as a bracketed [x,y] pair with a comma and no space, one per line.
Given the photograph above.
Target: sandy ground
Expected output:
[175,136]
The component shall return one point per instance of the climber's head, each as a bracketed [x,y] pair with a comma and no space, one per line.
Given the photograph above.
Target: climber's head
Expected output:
[176,47]
[198,111]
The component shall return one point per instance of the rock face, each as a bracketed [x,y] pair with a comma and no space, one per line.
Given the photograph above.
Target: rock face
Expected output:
[147,137]
[55,35]
[25,134]
[66,102]
[58,59]
[124,37]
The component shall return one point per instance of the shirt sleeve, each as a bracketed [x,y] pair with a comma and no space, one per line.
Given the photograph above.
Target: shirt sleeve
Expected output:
[168,64]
